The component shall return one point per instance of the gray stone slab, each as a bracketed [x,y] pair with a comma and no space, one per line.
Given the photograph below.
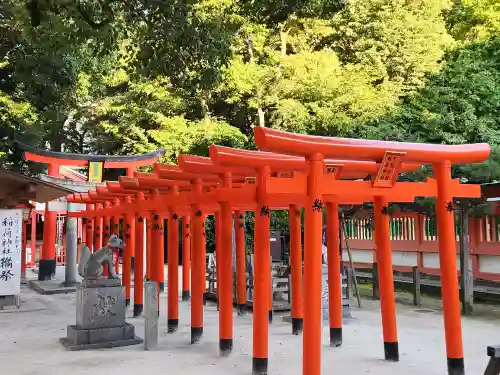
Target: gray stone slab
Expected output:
[51,287]
[128,331]
[101,345]
[100,307]
[110,334]
[150,315]
[77,336]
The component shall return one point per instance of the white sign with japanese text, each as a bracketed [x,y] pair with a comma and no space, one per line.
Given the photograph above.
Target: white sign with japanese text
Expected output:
[11,223]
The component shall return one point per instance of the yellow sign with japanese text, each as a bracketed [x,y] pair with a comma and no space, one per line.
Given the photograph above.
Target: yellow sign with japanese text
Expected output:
[95,171]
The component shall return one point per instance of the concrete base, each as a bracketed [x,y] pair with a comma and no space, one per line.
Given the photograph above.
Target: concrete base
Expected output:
[99,338]
[102,345]
[51,287]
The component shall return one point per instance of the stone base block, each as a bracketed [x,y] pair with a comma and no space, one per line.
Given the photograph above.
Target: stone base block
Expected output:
[96,338]
[51,287]
[100,307]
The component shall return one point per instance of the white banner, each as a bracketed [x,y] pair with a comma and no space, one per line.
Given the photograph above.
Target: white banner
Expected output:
[10,251]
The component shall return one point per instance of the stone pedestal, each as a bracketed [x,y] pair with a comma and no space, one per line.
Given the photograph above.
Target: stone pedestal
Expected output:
[151,315]
[346,311]
[100,317]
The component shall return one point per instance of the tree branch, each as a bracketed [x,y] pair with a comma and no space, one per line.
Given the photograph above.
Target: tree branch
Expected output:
[87,17]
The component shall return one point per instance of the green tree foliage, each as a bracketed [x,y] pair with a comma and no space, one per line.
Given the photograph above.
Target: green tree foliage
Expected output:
[128,77]
[458,105]
[397,41]
[470,20]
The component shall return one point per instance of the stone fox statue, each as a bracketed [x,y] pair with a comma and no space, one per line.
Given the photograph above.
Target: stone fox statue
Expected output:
[91,265]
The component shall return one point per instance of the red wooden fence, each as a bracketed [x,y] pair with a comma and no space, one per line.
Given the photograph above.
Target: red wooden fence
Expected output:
[414,243]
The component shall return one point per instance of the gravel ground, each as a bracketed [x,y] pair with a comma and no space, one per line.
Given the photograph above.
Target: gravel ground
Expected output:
[29,344]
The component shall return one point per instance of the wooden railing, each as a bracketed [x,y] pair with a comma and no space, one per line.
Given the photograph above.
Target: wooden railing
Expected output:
[414,243]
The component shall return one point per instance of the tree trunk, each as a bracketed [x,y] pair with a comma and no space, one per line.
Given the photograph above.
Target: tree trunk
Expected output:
[249,44]
[261,113]
[284,39]
[204,109]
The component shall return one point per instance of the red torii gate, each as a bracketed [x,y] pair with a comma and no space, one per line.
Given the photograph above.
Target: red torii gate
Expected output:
[292,189]
[390,154]
[315,183]
[54,160]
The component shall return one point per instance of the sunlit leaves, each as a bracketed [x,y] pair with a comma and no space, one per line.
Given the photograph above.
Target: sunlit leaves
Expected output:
[470,20]
[400,41]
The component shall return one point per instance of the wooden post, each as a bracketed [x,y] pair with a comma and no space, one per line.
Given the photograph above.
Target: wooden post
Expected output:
[261,279]
[416,286]
[313,325]
[115,229]
[386,280]
[139,262]
[106,222]
[48,261]
[203,250]
[106,226]
[334,272]
[98,230]
[198,274]
[241,293]
[173,270]
[466,280]
[226,273]
[33,238]
[271,290]
[448,269]
[218,252]
[296,269]
[129,234]
[149,232]
[157,251]
[89,229]
[186,257]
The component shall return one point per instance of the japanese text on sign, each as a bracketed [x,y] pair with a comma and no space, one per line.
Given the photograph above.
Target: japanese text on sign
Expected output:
[10,251]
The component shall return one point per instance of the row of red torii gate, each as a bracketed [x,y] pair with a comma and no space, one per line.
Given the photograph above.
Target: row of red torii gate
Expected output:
[290,172]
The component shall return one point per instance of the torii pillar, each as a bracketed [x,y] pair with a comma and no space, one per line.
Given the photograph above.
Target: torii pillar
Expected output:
[186,257]
[47,265]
